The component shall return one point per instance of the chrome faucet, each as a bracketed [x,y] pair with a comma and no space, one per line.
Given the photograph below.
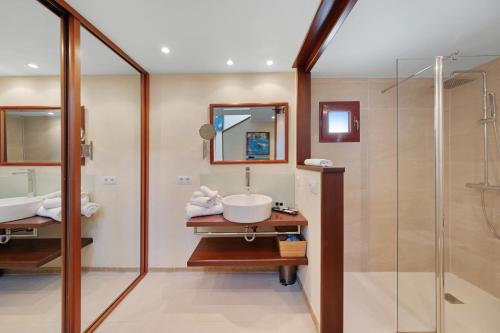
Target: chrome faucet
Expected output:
[31,180]
[247,179]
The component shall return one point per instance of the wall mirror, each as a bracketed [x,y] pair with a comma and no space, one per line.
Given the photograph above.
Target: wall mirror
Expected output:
[31,135]
[249,133]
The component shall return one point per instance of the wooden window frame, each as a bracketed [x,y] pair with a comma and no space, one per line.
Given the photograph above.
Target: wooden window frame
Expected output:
[354,134]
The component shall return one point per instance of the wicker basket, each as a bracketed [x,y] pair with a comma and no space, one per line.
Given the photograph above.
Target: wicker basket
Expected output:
[292,249]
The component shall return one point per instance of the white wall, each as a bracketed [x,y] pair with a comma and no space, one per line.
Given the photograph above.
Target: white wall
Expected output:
[179,106]
[308,201]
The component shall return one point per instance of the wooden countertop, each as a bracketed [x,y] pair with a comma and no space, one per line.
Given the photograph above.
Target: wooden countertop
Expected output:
[277,219]
[28,223]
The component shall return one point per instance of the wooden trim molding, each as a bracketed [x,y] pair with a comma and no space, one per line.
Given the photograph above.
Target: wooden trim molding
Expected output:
[71,186]
[285,107]
[303,126]
[332,251]
[330,16]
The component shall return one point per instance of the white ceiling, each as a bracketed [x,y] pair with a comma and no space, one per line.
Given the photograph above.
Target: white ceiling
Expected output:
[377,32]
[29,33]
[203,34]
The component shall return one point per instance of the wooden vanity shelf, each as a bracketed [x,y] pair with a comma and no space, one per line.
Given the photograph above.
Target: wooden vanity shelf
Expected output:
[28,223]
[31,253]
[277,219]
[235,251]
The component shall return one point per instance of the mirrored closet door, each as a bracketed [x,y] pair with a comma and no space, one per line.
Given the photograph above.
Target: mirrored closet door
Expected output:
[30,168]
[111,176]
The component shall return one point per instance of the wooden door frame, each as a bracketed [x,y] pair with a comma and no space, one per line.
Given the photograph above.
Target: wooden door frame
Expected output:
[71,23]
[330,16]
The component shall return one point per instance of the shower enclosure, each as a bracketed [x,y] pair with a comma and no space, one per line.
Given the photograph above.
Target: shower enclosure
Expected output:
[448,194]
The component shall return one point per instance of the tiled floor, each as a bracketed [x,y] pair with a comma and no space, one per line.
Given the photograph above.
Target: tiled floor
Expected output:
[209,302]
[32,303]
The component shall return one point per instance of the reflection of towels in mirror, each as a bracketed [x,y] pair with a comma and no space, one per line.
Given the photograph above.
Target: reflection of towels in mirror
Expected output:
[52,206]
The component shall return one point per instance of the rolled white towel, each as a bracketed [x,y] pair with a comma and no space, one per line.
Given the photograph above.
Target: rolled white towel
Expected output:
[208,192]
[53,213]
[206,202]
[198,194]
[192,210]
[90,209]
[318,162]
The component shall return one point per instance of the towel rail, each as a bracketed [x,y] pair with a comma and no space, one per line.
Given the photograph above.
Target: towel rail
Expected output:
[246,233]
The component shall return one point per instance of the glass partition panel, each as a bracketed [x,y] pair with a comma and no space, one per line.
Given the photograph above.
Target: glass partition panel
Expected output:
[416,196]
[30,245]
[111,176]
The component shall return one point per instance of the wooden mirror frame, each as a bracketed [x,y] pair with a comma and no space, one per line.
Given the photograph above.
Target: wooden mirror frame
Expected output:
[3,134]
[284,105]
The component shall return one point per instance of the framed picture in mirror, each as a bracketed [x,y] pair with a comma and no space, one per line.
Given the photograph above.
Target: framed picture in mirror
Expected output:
[249,133]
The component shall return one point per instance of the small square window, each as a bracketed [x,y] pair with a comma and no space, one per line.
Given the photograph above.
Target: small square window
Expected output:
[339,122]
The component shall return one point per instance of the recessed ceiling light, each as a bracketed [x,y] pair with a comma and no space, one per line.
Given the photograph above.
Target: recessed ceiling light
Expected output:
[165,50]
[229,62]
[51,113]
[34,66]
[270,62]
[273,117]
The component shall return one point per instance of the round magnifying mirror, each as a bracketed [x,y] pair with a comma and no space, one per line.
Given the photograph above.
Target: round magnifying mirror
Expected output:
[207,132]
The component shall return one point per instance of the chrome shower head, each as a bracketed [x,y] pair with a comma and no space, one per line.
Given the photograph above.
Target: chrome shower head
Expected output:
[454,81]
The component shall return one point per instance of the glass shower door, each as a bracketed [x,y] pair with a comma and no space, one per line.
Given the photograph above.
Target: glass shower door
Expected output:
[416,196]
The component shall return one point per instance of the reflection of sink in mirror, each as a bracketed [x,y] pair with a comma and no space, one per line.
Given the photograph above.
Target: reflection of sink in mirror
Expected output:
[247,208]
[12,209]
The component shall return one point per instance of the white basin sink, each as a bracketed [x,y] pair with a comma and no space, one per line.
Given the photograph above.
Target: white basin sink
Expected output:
[247,208]
[18,208]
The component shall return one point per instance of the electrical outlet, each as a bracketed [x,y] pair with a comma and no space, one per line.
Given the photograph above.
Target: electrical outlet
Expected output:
[109,180]
[184,180]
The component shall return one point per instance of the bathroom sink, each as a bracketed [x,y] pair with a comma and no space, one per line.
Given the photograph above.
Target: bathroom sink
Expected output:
[17,208]
[247,208]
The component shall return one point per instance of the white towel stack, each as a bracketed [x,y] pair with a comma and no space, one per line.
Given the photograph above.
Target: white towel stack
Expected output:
[204,202]
[321,162]
[52,206]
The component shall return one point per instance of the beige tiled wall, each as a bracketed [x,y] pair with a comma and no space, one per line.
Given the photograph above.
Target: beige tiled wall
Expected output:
[371,172]
[474,254]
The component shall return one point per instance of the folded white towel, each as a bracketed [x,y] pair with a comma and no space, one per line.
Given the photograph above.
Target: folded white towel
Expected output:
[53,213]
[192,210]
[89,209]
[57,202]
[52,208]
[198,194]
[52,203]
[206,202]
[208,192]
[318,162]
